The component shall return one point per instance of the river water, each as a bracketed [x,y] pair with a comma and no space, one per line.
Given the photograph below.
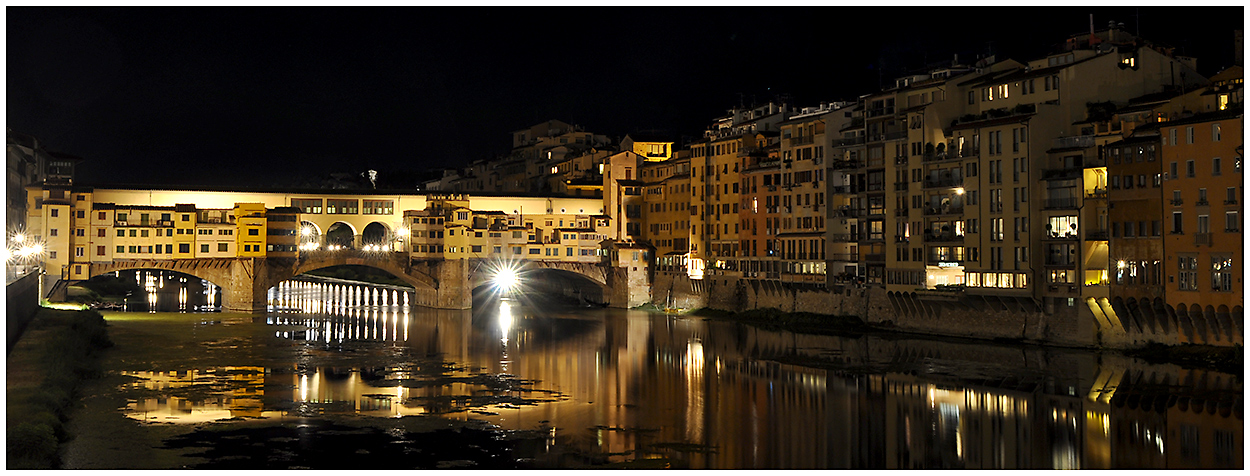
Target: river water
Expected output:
[551,386]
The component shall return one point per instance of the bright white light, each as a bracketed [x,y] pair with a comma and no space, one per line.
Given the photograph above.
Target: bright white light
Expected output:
[402,232]
[1122,264]
[307,231]
[959,191]
[19,238]
[505,319]
[506,279]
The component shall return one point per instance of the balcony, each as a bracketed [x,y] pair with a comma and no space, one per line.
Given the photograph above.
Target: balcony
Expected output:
[1060,203]
[928,211]
[877,257]
[900,186]
[878,111]
[943,181]
[851,257]
[164,223]
[845,164]
[872,237]
[902,238]
[842,238]
[1202,239]
[1096,235]
[876,187]
[1074,142]
[850,141]
[1178,201]
[1062,174]
[1231,201]
[1060,262]
[1202,203]
[900,160]
[846,212]
[900,212]
[1098,193]
[842,189]
[801,140]
[930,237]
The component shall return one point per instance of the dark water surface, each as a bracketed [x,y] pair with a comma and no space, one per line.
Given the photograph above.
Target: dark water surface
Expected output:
[345,375]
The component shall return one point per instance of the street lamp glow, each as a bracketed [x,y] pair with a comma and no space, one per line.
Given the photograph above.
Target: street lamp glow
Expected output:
[307,231]
[18,238]
[959,191]
[402,232]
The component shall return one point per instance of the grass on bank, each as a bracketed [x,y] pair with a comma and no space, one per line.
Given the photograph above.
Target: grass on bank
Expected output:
[58,350]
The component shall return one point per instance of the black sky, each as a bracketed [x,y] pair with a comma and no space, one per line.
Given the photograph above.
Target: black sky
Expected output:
[262,96]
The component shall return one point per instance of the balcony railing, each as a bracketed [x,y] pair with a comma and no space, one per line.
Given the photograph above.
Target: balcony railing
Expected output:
[896,135]
[900,186]
[878,111]
[1096,235]
[802,140]
[946,181]
[846,212]
[1062,203]
[1178,201]
[943,210]
[942,237]
[1201,203]
[843,257]
[939,156]
[900,160]
[876,186]
[1060,262]
[1202,239]
[845,164]
[1097,193]
[901,238]
[850,141]
[875,257]
[842,238]
[842,189]
[1057,174]
[1074,142]
[900,212]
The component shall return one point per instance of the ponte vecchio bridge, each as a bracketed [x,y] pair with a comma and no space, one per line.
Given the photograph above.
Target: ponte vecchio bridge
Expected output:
[443,245]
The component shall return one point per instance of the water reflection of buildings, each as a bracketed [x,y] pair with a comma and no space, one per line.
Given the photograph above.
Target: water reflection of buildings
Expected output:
[717,395]
[195,396]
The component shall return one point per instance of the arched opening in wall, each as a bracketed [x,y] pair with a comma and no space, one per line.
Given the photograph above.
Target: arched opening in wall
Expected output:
[544,286]
[340,235]
[344,290]
[309,234]
[1165,320]
[148,290]
[375,235]
[1201,332]
[1224,318]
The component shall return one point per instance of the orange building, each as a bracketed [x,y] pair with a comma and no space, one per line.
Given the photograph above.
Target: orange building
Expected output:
[1204,244]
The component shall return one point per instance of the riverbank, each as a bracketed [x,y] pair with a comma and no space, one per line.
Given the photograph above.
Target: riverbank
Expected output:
[45,371]
[1192,356]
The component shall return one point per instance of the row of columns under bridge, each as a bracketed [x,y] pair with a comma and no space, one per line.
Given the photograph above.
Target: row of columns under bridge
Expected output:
[312,296]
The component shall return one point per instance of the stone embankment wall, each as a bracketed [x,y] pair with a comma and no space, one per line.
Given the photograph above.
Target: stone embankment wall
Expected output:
[21,301]
[1086,323]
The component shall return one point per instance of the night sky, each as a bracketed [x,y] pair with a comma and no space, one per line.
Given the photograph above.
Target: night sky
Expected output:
[284,96]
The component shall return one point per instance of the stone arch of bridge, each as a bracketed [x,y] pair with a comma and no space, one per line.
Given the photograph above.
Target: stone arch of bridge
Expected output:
[482,273]
[416,279]
[216,272]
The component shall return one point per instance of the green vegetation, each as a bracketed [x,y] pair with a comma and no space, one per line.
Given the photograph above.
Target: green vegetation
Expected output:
[105,288]
[57,352]
[360,273]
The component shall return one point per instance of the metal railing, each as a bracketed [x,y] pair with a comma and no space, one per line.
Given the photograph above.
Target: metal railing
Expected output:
[1202,239]
[943,181]
[1067,202]
[1074,142]
[943,210]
